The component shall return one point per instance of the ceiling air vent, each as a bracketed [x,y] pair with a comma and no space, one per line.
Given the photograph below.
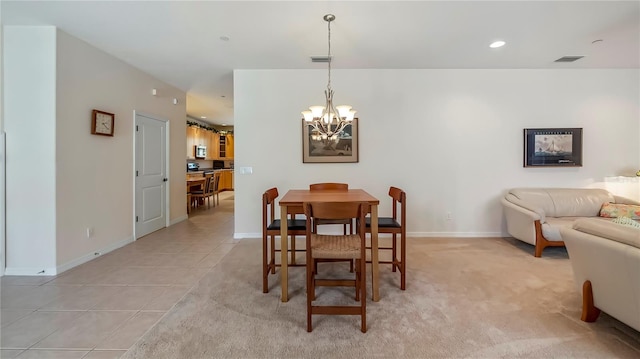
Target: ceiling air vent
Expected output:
[320,58]
[569,58]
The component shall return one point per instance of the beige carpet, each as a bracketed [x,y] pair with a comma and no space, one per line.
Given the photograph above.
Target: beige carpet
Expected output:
[465,298]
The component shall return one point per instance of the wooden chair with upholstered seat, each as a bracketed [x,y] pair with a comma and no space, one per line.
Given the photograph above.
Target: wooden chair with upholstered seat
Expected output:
[333,186]
[204,194]
[396,225]
[271,229]
[336,247]
[344,221]
[215,191]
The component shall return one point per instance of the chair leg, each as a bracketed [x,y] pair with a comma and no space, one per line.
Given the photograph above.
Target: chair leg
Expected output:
[293,249]
[265,267]
[363,294]
[394,257]
[273,254]
[403,261]
[310,294]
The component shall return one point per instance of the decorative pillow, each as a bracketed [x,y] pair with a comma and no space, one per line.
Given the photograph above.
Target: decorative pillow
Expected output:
[627,222]
[614,210]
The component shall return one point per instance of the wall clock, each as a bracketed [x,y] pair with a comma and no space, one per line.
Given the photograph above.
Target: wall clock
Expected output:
[102,123]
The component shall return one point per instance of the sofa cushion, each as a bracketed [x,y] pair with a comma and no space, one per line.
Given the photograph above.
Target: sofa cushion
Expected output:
[565,202]
[614,210]
[609,230]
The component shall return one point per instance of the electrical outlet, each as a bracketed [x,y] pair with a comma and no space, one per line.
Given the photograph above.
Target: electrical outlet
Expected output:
[89,232]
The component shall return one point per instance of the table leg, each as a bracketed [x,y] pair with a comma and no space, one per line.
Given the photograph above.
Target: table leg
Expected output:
[284,275]
[375,274]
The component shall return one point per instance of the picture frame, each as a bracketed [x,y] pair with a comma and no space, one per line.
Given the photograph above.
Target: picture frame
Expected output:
[102,123]
[552,147]
[342,150]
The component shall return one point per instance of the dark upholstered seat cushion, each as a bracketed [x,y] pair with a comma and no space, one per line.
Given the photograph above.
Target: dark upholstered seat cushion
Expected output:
[386,222]
[293,224]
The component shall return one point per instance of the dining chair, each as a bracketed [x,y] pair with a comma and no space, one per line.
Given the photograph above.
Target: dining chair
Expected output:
[271,229]
[395,225]
[336,247]
[215,191]
[344,221]
[207,193]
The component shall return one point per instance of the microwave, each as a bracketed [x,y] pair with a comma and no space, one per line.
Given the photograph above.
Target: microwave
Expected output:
[201,152]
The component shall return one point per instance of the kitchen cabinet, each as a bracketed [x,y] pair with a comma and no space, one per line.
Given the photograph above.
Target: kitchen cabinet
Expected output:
[226,180]
[230,147]
[191,142]
[218,146]
[212,146]
[226,147]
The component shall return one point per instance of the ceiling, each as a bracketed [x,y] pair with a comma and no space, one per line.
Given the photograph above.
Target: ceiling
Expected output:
[180,42]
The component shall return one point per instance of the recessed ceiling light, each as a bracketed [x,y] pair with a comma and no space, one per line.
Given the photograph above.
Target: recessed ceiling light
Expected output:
[203,117]
[224,124]
[223,96]
[224,38]
[496,44]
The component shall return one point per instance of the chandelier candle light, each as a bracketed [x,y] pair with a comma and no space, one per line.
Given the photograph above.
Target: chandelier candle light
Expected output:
[326,121]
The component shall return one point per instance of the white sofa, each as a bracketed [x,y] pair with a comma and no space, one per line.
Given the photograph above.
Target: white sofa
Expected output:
[605,257]
[535,215]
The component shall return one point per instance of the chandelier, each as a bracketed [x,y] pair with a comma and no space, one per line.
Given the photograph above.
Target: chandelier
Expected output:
[328,121]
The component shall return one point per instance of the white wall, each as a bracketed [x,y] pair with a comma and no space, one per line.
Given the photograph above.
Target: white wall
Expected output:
[452,139]
[60,178]
[29,119]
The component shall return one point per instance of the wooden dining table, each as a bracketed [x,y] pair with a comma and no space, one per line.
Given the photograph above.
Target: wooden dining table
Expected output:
[296,197]
[196,181]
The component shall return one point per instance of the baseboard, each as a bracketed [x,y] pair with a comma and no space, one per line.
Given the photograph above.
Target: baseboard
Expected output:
[95,254]
[455,234]
[246,235]
[409,235]
[30,271]
[178,220]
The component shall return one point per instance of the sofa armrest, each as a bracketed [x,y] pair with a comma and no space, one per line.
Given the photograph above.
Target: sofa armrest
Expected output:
[608,230]
[527,208]
[612,267]
[520,221]
[624,200]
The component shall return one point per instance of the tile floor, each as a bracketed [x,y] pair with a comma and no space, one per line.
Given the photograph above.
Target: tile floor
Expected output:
[101,308]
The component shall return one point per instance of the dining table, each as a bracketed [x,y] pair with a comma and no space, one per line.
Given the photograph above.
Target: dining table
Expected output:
[194,182]
[297,197]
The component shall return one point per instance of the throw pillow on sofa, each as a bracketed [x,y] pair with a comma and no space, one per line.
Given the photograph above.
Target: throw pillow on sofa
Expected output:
[625,221]
[614,210]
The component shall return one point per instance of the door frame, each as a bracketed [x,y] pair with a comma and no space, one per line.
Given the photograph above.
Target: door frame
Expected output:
[168,169]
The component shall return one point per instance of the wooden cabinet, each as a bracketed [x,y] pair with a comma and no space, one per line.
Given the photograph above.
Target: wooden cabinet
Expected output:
[226,180]
[226,147]
[218,146]
[230,147]
[212,147]
[191,142]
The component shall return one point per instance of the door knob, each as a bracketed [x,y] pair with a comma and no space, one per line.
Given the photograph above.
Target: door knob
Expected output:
[165,179]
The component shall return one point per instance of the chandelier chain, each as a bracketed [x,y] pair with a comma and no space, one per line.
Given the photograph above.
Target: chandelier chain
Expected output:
[329,55]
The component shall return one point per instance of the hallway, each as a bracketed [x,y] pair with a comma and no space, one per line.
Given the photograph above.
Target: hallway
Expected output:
[101,308]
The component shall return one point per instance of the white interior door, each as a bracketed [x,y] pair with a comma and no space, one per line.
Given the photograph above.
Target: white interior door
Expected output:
[151,174]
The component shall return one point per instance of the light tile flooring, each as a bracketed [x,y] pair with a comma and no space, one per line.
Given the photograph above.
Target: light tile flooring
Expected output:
[101,308]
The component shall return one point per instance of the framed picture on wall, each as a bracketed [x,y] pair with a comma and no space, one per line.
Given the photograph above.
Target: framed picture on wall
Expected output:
[343,149]
[553,147]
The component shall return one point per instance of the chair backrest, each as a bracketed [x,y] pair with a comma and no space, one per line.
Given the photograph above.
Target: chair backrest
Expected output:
[336,210]
[328,186]
[399,197]
[216,182]
[268,206]
[210,186]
